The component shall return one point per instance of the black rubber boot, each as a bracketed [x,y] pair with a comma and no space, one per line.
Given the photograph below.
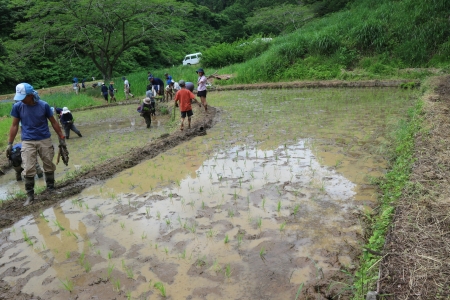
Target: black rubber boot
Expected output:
[29,188]
[18,176]
[50,180]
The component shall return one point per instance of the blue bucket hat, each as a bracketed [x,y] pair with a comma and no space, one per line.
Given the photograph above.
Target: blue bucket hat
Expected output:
[200,70]
[22,90]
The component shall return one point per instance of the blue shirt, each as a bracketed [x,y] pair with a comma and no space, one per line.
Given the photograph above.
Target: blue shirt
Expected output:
[34,120]
[168,79]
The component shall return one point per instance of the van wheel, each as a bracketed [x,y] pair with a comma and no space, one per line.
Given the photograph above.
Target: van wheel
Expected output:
[188,64]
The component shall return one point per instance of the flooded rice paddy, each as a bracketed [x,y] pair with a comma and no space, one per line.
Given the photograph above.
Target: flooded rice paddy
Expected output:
[264,206]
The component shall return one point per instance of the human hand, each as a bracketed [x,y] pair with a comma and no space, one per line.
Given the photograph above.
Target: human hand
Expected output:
[62,141]
[9,150]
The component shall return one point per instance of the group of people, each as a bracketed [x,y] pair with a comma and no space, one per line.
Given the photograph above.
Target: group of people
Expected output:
[183,92]
[108,91]
[76,86]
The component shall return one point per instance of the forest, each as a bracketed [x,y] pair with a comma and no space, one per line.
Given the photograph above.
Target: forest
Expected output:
[49,42]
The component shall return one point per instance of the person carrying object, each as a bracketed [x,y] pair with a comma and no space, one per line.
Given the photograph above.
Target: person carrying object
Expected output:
[67,121]
[34,114]
[146,111]
[172,89]
[104,91]
[16,161]
[185,97]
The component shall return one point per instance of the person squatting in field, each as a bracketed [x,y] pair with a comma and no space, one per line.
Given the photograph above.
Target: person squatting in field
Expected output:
[147,109]
[151,93]
[171,89]
[34,114]
[185,97]
[158,85]
[67,121]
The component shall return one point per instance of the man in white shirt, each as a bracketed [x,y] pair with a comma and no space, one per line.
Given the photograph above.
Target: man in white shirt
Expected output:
[127,89]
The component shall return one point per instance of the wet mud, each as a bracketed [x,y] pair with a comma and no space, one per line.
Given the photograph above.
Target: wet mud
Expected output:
[264,206]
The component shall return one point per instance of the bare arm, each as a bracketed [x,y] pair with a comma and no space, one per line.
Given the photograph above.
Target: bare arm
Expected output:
[56,127]
[13,130]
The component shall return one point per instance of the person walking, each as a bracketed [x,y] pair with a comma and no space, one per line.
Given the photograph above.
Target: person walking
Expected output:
[112,90]
[185,97]
[104,91]
[34,114]
[127,89]
[67,121]
[201,88]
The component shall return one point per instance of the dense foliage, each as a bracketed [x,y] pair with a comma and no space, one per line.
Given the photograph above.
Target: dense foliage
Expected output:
[49,42]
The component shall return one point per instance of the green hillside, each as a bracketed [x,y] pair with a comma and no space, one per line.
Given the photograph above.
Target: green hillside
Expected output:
[49,43]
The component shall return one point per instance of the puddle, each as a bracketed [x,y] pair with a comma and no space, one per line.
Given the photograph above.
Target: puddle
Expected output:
[262,204]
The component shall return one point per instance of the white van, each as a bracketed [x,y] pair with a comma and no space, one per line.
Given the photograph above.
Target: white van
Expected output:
[192,59]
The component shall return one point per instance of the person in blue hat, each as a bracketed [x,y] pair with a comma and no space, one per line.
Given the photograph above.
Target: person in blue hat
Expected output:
[201,87]
[158,85]
[34,114]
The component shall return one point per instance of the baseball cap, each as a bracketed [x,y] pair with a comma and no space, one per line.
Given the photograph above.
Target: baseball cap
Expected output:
[182,83]
[200,70]
[22,90]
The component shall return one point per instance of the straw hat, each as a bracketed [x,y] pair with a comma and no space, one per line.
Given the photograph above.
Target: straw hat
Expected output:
[147,100]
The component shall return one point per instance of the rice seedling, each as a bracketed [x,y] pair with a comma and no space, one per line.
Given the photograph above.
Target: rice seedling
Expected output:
[67,254]
[259,223]
[110,270]
[147,211]
[57,224]
[87,266]
[262,254]
[131,231]
[282,226]
[183,254]
[226,240]
[296,208]
[67,285]
[279,206]
[128,294]
[193,228]
[239,239]
[110,254]
[263,205]
[129,272]
[81,258]
[158,215]
[230,213]
[203,204]
[160,287]
[166,250]
[43,217]
[228,271]
[156,246]
[116,284]
[122,225]
[210,233]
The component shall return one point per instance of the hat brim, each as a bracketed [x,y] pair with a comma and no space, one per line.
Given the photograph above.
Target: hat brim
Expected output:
[19,97]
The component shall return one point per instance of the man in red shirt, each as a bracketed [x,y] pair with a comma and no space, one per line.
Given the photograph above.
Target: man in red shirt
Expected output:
[185,97]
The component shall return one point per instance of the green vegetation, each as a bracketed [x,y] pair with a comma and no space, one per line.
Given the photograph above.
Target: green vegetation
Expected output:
[391,185]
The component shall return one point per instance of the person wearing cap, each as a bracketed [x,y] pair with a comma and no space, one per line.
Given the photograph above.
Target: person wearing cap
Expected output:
[185,97]
[151,93]
[146,110]
[33,114]
[127,90]
[172,89]
[158,85]
[168,78]
[67,122]
[112,90]
[201,87]
[104,91]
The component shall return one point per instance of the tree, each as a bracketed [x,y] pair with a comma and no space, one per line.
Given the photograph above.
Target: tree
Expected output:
[99,29]
[279,19]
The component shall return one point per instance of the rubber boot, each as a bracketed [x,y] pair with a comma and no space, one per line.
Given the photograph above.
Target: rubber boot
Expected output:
[29,188]
[50,180]
[18,176]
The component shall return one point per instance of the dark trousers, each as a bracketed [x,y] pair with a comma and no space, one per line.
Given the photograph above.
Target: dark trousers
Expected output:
[148,119]
[106,96]
[68,127]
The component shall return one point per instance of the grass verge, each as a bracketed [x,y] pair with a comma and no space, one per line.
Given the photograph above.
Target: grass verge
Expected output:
[391,187]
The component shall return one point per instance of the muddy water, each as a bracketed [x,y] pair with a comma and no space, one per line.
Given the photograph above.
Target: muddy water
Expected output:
[262,204]
[107,133]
